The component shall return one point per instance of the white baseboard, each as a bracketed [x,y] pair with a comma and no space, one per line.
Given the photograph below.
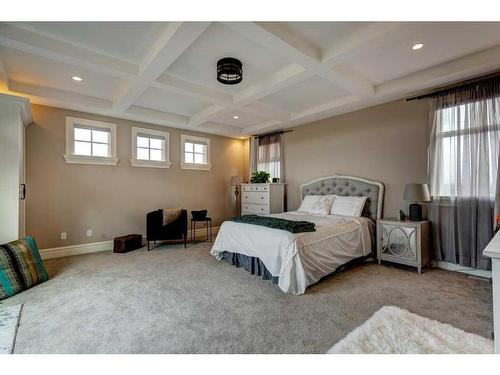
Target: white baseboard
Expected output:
[84,248]
[455,267]
[94,247]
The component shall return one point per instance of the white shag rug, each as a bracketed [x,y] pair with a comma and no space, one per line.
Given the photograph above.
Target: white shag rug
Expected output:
[9,321]
[392,330]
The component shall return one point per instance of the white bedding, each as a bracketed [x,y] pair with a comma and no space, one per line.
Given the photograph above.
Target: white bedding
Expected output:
[301,259]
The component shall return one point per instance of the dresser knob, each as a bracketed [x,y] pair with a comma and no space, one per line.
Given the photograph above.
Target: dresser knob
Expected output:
[261,197]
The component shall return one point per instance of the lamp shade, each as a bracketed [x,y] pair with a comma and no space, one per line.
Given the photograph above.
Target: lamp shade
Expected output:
[417,193]
[235,180]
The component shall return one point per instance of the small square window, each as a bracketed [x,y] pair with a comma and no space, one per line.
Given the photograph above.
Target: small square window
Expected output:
[90,142]
[195,152]
[150,148]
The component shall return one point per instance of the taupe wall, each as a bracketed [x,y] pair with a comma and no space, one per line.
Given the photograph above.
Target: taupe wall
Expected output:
[387,143]
[113,200]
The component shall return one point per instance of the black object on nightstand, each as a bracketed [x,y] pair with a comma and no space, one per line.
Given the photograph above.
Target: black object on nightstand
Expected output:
[200,216]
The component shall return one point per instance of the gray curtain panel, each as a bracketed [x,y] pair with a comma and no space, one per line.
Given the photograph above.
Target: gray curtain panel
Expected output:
[463,169]
[270,155]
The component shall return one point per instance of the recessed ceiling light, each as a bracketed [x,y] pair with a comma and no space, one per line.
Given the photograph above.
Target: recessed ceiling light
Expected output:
[77,79]
[417,46]
[236,117]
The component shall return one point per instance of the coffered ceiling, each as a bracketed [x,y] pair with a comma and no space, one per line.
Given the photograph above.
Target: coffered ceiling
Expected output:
[293,72]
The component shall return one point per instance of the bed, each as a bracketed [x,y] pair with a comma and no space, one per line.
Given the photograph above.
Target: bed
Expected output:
[295,261]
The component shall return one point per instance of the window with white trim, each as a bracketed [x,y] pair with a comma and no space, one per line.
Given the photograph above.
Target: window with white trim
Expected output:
[195,152]
[90,142]
[150,148]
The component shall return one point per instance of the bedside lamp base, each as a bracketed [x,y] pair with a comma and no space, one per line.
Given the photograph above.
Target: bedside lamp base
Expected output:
[415,212]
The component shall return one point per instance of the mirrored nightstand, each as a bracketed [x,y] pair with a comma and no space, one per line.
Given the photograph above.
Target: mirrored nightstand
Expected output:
[404,242]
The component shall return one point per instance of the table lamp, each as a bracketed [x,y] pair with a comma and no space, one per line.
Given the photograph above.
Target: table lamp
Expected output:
[416,193]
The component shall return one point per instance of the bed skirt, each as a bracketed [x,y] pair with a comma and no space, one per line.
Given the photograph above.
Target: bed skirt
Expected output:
[252,264]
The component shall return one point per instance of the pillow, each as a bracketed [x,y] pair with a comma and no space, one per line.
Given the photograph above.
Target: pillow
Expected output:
[20,267]
[348,206]
[317,204]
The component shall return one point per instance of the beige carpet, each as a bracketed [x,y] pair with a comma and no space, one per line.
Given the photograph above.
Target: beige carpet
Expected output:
[172,300]
[393,330]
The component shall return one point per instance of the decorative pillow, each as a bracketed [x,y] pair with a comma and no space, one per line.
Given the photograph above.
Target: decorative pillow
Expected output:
[348,206]
[21,267]
[317,204]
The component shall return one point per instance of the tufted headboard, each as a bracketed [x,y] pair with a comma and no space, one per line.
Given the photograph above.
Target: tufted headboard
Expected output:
[349,186]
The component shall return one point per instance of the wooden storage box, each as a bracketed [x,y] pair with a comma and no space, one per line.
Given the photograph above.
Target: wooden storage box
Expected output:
[127,243]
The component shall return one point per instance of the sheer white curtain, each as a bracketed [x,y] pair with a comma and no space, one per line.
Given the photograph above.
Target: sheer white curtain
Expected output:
[270,155]
[463,167]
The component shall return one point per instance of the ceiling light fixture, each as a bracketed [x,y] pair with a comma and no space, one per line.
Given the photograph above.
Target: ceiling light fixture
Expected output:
[417,46]
[229,71]
[77,79]
[236,117]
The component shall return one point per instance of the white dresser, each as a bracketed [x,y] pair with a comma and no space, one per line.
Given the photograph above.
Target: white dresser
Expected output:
[262,199]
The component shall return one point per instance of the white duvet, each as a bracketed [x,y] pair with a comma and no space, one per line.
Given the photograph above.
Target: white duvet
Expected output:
[301,259]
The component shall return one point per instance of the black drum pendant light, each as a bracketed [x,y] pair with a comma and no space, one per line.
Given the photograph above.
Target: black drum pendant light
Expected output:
[229,71]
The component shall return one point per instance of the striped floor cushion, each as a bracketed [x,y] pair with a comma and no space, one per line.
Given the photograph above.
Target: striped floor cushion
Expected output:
[21,267]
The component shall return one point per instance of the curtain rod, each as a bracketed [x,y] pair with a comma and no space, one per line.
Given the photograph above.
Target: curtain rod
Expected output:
[461,84]
[280,132]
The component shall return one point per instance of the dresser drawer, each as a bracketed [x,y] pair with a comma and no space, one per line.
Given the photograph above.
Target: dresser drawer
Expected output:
[254,209]
[255,197]
[255,188]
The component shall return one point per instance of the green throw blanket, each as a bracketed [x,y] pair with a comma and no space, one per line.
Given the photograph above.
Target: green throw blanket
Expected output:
[276,223]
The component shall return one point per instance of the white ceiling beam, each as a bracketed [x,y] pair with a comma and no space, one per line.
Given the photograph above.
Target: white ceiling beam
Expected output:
[57,50]
[274,38]
[60,96]
[462,68]
[369,38]
[325,107]
[205,114]
[169,118]
[225,128]
[278,81]
[176,85]
[263,126]
[283,40]
[171,45]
